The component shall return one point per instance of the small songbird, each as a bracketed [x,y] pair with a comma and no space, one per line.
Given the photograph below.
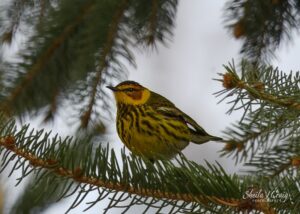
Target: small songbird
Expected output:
[152,126]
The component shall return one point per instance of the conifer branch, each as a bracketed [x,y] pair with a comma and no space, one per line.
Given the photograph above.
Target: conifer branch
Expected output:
[42,9]
[153,22]
[107,49]
[262,25]
[78,175]
[272,99]
[271,107]
[282,168]
[44,58]
[278,160]
[18,7]
[256,90]
[256,134]
[53,106]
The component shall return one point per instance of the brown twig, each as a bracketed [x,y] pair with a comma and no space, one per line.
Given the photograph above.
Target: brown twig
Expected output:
[260,94]
[53,106]
[293,162]
[153,22]
[231,80]
[282,168]
[291,104]
[42,9]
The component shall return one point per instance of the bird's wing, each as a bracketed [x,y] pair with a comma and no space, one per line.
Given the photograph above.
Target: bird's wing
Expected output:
[176,113]
[168,109]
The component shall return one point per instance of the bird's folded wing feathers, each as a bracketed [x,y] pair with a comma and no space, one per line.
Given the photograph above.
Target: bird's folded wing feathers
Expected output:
[168,109]
[176,113]
[165,107]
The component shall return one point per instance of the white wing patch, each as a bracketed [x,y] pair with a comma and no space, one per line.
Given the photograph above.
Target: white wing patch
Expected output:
[191,127]
[165,109]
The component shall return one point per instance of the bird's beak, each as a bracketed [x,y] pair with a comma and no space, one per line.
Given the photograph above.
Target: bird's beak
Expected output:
[111,88]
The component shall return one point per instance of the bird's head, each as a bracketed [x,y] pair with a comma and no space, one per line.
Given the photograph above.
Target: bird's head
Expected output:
[130,93]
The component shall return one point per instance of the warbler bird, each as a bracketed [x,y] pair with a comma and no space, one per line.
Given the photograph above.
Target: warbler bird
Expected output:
[152,126]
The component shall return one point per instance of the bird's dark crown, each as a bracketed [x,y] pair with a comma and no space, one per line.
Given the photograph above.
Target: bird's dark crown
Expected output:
[128,82]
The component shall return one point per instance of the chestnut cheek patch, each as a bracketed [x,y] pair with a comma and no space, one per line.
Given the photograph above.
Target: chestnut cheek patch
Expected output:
[136,95]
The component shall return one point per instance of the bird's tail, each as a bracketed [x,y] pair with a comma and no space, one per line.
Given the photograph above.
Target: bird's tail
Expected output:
[199,139]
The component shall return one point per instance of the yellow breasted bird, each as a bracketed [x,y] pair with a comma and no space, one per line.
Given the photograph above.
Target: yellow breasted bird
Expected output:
[152,126]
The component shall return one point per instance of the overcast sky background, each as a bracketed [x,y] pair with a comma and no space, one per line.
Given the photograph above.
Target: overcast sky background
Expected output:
[184,74]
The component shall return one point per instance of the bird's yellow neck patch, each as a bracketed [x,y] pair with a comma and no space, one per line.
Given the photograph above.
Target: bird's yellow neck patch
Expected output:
[138,97]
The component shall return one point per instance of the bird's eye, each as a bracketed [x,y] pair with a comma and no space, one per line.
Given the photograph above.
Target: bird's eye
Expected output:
[130,89]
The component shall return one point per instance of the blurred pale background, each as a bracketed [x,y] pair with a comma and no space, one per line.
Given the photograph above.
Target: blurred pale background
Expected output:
[184,71]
